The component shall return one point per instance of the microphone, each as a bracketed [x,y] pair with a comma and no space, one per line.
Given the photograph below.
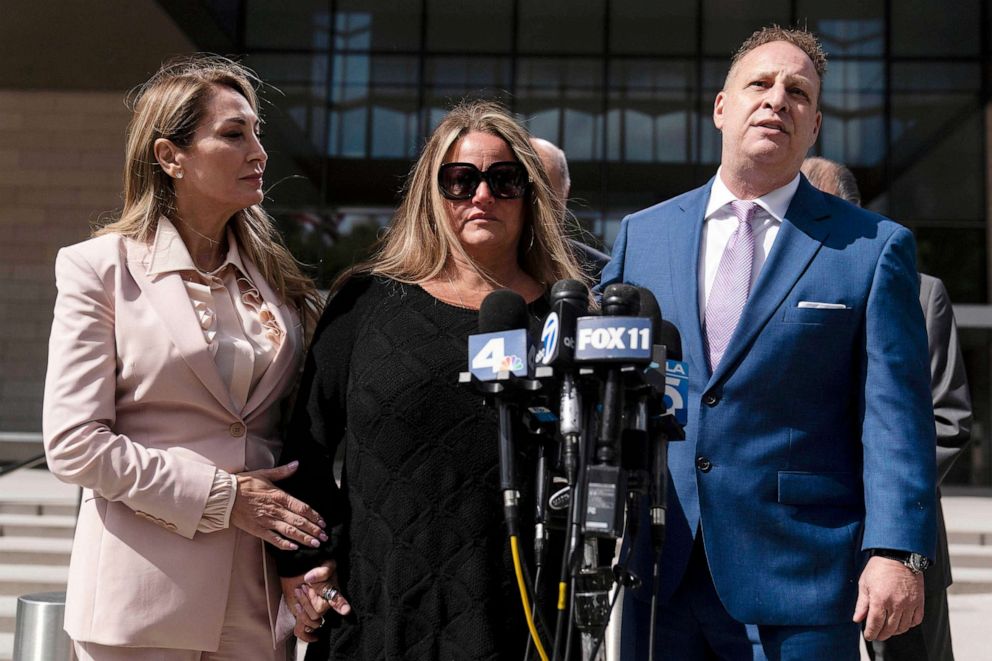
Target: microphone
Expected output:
[502,310]
[618,300]
[668,343]
[669,336]
[503,322]
[569,301]
[618,340]
[500,348]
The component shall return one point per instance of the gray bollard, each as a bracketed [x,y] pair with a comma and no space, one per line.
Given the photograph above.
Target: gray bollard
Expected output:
[38,634]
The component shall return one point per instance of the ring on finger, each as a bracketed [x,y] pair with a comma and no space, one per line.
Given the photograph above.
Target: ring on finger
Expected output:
[329,593]
[308,629]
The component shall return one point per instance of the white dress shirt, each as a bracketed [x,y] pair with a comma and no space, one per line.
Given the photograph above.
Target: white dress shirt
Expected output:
[720,223]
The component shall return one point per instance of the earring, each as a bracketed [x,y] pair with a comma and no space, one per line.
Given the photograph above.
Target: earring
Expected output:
[179,174]
[533,235]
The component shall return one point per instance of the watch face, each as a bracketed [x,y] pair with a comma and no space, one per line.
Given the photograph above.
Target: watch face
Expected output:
[917,562]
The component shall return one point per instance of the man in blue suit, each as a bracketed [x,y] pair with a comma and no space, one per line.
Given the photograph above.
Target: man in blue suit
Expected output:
[802,501]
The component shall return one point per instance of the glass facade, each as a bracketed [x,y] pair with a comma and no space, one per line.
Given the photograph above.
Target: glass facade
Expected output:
[626,87]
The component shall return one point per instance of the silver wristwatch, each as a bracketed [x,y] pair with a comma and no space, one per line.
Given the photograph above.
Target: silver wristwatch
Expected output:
[916,562]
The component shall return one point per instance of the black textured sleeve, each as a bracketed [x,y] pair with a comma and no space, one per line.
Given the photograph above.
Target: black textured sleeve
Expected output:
[319,421]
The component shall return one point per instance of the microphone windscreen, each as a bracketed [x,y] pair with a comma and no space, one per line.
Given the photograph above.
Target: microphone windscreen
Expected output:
[649,308]
[672,340]
[502,310]
[570,290]
[620,299]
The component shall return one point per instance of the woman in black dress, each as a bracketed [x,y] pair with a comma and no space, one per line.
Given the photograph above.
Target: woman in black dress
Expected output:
[422,559]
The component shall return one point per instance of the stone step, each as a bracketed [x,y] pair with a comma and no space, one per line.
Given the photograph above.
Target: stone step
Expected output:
[30,525]
[974,537]
[18,579]
[970,580]
[38,508]
[35,550]
[8,613]
[970,555]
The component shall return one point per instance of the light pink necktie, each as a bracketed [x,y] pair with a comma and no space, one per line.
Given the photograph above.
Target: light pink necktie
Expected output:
[732,284]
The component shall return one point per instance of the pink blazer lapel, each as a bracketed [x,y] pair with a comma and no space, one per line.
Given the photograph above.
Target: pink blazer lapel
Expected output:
[168,298]
[287,353]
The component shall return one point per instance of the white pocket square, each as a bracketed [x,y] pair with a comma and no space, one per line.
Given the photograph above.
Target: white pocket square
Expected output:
[815,305]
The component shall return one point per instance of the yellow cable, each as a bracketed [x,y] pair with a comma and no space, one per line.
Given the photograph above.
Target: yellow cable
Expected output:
[514,548]
[562,595]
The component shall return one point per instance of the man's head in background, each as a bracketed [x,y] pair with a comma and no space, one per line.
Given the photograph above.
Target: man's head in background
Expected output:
[555,163]
[832,177]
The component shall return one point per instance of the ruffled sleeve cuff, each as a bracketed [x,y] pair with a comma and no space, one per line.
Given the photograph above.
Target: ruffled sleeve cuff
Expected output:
[220,503]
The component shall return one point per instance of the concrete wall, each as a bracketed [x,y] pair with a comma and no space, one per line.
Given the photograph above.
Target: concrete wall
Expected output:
[67,67]
[61,156]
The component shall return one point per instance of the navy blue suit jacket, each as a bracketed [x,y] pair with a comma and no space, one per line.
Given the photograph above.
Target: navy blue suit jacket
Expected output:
[814,438]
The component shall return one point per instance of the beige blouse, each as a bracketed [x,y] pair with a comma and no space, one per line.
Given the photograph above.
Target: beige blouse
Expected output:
[241,333]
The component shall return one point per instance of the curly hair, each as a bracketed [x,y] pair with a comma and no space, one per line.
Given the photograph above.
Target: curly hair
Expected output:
[801,38]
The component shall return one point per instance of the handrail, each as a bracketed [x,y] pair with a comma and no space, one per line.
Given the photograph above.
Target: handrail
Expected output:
[27,463]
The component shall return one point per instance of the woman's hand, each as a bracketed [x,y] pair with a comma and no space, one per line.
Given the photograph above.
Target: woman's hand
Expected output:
[310,596]
[269,513]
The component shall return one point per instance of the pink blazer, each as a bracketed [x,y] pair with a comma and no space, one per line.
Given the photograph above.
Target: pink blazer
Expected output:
[137,414]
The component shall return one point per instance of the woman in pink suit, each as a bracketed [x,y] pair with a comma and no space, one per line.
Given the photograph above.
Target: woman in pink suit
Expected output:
[177,335]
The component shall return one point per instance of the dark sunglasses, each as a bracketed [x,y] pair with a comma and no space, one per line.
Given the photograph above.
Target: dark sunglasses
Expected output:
[507,180]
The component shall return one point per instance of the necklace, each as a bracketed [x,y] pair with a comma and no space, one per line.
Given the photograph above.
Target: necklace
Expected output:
[457,294]
[212,242]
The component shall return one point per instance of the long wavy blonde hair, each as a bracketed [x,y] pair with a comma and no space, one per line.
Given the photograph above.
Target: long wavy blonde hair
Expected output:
[419,240]
[171,105]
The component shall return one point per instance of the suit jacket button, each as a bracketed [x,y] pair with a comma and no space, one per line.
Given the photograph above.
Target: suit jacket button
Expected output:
[237,430]
[710,399]
[703,464]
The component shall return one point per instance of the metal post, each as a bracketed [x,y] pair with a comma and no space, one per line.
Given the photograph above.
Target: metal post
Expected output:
[38,634]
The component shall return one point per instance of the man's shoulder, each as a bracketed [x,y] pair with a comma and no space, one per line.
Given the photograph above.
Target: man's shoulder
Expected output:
[672,207]
[855,216]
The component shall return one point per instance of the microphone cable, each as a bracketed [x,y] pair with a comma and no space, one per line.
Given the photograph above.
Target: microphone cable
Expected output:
[522,585]
[566,584]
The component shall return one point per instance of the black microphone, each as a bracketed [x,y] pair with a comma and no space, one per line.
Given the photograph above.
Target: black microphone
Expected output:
[618,300]
[605,481]
[671,339]
[505,310]
[569,301]
[502,310]
[668,346]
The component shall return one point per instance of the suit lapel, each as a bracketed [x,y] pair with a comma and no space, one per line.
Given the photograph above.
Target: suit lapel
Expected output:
[685,259]
[168,298]
[799,238]
[288,349]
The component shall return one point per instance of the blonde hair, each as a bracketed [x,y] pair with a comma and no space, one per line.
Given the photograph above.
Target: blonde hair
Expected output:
[419,241]
[171,105]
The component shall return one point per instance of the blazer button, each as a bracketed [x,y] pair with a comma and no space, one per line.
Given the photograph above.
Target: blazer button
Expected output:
[710,399]
[237,430]
[703,464]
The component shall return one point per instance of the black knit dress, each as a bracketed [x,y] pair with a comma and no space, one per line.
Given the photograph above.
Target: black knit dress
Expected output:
[418,533]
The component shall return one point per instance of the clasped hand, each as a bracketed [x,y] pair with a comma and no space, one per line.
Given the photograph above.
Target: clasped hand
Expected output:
[307,597]
[269,513]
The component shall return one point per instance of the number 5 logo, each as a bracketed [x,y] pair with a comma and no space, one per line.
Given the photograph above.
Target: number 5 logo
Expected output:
[673,398]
